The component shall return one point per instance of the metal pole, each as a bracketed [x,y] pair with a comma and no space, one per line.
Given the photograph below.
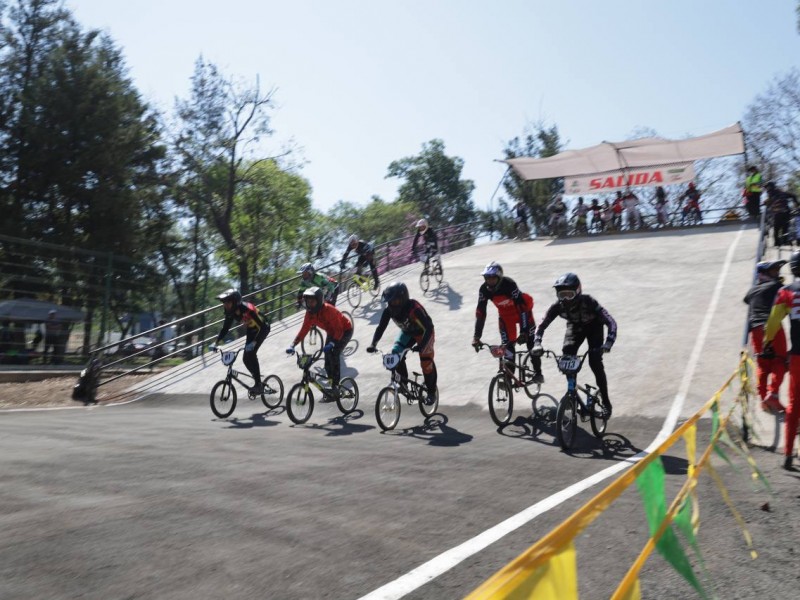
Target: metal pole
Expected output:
[106,300]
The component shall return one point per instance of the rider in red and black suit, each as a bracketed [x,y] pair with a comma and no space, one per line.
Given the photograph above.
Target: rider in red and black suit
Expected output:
[256,329]
[416,327]
[585,319]
[760,298]
[788,303]
[514,308]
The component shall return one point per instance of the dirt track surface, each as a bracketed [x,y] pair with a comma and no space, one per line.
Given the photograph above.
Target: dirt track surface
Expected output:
[57,392]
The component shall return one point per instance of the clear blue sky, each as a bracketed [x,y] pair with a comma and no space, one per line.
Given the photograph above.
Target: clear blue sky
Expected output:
[361,83]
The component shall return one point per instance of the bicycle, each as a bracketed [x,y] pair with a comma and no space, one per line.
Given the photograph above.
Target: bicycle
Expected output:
[223,394]
[315,340]
[503,384]
[387,406]
[432,268]
[300,401]
[361,284]
[573,406]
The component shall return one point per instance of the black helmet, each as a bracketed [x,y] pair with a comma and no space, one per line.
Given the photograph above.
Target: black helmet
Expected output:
[314,292]
[396,297]
[770,185]
[231,294]
[794,263]
[568,282]
[307,268]
[493,269]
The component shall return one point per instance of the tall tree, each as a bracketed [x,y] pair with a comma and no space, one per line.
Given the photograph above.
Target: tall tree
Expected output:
[772,124]
[217,124]
[432,183]
[537,141]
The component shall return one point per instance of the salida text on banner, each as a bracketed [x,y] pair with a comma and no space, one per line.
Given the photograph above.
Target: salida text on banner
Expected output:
[619,180]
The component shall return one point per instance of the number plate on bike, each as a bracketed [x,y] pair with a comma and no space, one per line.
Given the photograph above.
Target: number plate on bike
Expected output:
[498,351]
[390,361]
[569,363]
[228,358]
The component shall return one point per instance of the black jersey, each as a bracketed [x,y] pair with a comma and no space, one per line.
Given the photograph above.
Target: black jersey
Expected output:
[761,297]
[583,311]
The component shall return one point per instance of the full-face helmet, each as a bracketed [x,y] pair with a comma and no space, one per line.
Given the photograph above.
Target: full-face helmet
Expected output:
[307,271]
[313,299]
[396,297]
[568,287]
[492,275]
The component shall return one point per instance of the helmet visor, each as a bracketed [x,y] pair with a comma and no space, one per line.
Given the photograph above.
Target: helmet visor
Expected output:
[566,294]
[491,280]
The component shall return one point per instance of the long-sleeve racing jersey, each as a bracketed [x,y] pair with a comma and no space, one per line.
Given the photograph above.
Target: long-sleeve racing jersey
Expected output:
[509,301]
[329,318]
[415,321]
[583,311]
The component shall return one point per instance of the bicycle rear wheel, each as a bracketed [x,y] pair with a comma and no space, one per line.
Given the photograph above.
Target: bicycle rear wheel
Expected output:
[501,400]
[312,343]
[438,272]
[348,395]
[272,396]
[427,406]
[299,404]
[597,419]
[223,399]
[566,422]
[424,280]
[387,408]
[354,294]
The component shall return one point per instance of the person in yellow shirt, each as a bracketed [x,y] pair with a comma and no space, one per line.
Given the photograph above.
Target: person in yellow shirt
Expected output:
[752,192]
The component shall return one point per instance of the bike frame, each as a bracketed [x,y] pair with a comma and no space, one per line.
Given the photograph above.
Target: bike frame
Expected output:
[572,381]
[233,374]
[310,378]
[403,386]
[498,351]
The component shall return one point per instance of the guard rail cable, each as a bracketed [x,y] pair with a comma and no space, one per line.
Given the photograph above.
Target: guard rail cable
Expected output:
[280,310]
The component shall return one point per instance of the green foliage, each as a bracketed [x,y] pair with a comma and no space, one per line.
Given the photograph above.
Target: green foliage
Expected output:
[378,221]
[433,184]
[538,141]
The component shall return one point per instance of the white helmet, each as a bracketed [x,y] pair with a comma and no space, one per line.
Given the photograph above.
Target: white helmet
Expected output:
[352,241]
[422,225]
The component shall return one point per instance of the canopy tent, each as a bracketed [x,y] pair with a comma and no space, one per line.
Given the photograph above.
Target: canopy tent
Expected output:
[647,161]
[35,311]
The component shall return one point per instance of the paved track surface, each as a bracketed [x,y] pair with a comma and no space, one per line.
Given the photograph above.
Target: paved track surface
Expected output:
[158,499]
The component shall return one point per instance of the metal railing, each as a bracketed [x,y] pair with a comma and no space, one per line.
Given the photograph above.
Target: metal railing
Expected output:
[279,305]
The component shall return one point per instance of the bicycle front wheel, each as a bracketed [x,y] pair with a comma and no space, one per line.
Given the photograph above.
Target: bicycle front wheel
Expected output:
[223,399]
[566,422]
[387,408]
[312,343]
[597,419]
[354,294]
[272,396]
[428,405]
[532,390]
[424,281]
[348,395]
[299,404]
[501,400]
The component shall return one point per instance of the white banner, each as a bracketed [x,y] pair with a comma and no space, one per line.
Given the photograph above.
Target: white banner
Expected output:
[618,180]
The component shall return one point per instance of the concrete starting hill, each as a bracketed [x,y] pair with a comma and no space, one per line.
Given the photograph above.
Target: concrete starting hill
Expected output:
[672,293]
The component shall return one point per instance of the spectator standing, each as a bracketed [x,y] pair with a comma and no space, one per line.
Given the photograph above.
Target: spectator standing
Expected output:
[597,216]
[580,213]
[752,192]
[616,208]
[661,206]
[778,205]
[52,338]
[631,203]
[607,215]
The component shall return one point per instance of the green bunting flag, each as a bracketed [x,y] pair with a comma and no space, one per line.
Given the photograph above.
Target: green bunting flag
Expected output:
[651,488]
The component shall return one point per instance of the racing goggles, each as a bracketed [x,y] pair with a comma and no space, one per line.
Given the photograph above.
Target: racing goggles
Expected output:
[566,294]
